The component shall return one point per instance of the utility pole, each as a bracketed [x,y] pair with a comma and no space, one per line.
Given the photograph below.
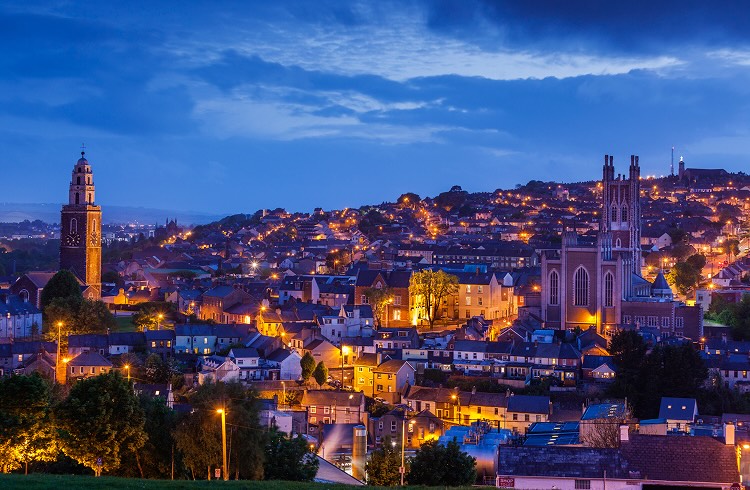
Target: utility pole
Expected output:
[57,359]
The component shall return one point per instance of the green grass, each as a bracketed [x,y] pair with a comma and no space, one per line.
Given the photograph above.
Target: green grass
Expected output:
[71,482]
[124,324]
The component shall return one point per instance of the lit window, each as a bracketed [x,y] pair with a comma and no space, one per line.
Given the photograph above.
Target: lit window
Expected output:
[581,283]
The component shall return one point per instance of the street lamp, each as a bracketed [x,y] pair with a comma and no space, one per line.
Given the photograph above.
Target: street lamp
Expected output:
[402,469]
[57,359]
[457,399]
[224,473]
[344,351]
[127,368]
[158,324]
[283,396]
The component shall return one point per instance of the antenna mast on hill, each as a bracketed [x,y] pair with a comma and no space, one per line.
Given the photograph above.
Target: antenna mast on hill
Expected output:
[671,165]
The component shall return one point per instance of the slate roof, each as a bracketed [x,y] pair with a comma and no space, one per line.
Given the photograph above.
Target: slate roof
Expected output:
[219,292]
[667,458]
[166,334]
[244,352]
[392,366]
[678,408]
[91,340]
[528,404]
[89,359]
[192,329]
[127,338]
[331,398]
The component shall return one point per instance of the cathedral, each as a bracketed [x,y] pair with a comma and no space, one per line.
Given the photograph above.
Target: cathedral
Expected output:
[600,284]
[81,231]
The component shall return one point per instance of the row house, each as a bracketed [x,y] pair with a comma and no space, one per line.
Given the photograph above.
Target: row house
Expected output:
[457,407]
[207,339]
[391,377]
[482,294]
[559,360]
[219,299]
[351,321]
[398,311]
[418,428]
[19,317]
[396,338]
[326,407]
[15,355]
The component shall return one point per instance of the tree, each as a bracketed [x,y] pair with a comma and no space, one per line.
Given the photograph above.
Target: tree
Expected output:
[288,458]
[732,248]
[383,466]
[307,363]
[198,434]
[438,465]
[684,277]
[379,299]
[94,316]
[156,370]
[26,430]
[62,285]
[408,200]
[159,451]
[429,289]
[146,318]
[320,374]
[101,418]
[113,277]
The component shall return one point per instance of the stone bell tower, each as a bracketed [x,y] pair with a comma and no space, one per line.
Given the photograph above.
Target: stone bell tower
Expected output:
[81,230]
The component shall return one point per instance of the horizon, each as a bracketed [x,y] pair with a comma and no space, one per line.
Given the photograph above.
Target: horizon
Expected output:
[224,109]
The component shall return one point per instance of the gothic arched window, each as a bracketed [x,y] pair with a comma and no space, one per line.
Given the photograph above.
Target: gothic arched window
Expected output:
[618,243]
[614,214]
[554,288]
[609,289]
[624,213]
[74,225]
[581,287]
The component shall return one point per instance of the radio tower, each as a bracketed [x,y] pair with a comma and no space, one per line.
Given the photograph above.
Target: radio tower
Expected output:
[671,165]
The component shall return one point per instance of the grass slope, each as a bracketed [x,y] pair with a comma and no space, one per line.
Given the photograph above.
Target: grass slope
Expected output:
[70,482]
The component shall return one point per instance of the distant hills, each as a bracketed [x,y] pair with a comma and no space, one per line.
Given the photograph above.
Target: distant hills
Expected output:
[50,213]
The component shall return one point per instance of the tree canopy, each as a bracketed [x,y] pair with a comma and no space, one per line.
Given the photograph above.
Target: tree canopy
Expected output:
[62,285]
[383,465]
[429,289]
[288,458]
[101,418]
[438,465]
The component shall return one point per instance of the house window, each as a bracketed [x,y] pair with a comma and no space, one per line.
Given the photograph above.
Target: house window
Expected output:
[468,300]
[313,409]
[393,426]
[313,420]
[515,416]
[554,288]
[397,300]
[468,289]
[479,301]
[653,321]
[609,289]
[665,322]
[526,417]
[206,350]
[380,425]
[479,289]
[365,301]
[614,213]
[479,409]
[582,484]
[326,410]
[581,287]
[626,319]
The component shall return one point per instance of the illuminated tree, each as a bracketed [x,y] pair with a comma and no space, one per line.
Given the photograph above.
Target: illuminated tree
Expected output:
[429,289]
[379,298]
[320,374]
[26,430]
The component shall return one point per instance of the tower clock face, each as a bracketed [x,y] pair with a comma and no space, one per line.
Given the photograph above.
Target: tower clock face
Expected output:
[73,240]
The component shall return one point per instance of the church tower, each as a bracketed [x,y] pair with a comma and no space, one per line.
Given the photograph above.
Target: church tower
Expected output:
[80,230]
[621,211]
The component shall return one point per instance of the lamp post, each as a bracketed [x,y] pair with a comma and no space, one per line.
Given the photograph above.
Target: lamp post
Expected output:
[127,368]
[344,351]
[158,323]
[457,399]
[224,473]
[283,396]
[402,469]
[57,359]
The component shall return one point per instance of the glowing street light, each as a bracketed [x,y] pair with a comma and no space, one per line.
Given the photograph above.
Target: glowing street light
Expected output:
[57,359]
[224,473]
[127,368]
[402,468]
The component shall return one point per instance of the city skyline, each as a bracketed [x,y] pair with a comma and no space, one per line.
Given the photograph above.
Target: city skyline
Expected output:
[238,107]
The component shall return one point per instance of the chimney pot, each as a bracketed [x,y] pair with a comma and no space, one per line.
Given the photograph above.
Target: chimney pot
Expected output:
[624,433]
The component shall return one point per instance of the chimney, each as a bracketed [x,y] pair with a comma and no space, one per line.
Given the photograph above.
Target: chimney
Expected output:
[624,433]
[729,434]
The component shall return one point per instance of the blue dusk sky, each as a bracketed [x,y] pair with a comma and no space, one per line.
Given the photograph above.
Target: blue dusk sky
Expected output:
[227,107]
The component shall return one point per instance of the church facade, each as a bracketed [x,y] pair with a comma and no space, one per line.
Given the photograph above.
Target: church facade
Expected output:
[599,283]
[81,230]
